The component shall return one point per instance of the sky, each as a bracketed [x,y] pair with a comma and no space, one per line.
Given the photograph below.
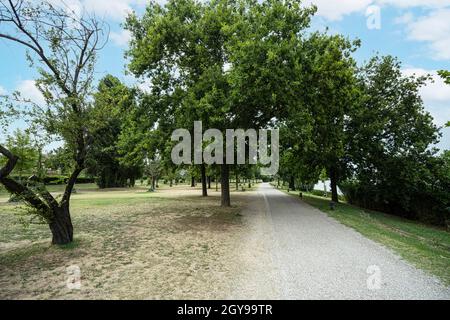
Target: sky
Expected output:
[415,31]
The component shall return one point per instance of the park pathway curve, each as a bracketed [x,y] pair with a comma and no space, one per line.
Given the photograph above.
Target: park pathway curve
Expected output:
[294,251]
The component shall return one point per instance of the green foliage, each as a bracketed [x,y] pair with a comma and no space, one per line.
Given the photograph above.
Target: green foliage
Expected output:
[313,134]
[59,160]
[230,64]
[445,75]
[113,100]
[390,134]
[20,144]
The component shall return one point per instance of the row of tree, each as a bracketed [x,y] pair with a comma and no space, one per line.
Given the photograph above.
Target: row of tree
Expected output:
[230,64]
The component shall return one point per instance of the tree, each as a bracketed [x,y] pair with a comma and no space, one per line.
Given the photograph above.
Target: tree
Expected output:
[112,102]
[63,48]
[389,142]
[232,59]
[314,133]
[153,169]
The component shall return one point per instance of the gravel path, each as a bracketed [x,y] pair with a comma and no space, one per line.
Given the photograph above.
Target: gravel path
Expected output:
[294,251]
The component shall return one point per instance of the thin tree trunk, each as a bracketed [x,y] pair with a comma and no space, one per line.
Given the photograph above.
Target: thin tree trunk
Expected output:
[192,182]
[209,182]
[39,165]
[225,185]
[237,181]
[204,185]
[217,183]
[333,179]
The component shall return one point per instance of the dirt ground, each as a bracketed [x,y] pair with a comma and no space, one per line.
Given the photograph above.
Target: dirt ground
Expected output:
[172,244]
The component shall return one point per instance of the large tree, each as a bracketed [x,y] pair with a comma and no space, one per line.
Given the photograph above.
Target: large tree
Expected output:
[113,101]
[390,139]
[315,130]
[63,48]
[235,60]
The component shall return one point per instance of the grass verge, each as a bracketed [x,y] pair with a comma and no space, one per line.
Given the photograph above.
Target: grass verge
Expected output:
[424,246]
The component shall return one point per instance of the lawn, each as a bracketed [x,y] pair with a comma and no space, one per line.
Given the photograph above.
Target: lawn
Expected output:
[426,247]
[129,244]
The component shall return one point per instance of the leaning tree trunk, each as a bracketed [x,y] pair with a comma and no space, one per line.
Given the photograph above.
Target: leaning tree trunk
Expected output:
[61,226]
[204,185]
[333,184]
[225,185]
[45,204]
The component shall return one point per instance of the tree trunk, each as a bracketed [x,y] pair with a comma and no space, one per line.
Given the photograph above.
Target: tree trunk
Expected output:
[153,183]
[333,183]
[209,182]
[217,183]
[40,174]
[204,185]
[192,182]
[292,183]
[225,185]
[61,226]
[237,181]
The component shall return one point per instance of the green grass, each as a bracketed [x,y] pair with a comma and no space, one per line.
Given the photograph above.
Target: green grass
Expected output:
[424,246]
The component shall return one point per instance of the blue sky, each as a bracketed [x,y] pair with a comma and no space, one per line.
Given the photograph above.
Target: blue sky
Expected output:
[416,31]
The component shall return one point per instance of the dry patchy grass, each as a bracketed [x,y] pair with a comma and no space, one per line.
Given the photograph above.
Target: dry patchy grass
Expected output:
[129,244]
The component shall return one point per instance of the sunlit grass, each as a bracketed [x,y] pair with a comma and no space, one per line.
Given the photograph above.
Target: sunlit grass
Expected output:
[424,246]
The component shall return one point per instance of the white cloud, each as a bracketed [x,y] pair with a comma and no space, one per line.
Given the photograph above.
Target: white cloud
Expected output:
[415,3]
[405,18]
[120,38]
[433,29]
[113,9]
[336,10]
[436,95]
[29,91]
[2,91]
